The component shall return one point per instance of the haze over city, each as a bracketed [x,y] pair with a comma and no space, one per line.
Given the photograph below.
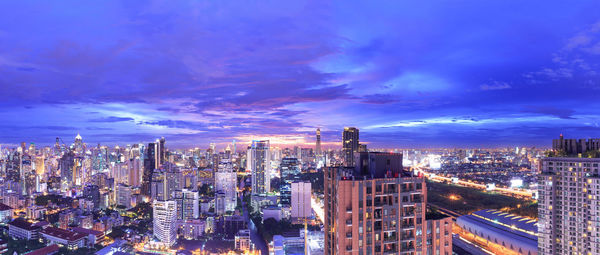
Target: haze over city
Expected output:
[438,74]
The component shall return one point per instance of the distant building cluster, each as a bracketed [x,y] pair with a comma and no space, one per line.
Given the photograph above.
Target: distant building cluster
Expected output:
[147,198]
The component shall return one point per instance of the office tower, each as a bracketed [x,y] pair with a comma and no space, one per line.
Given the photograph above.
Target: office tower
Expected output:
[92,193]
[569,205]
[187,204]
[259,163]
[165,182]
[123,196]
[158,186]
[285,195]
[135,175]
[162,151]
[349,145]
[13,166]
[290,168]
[164,219]
[226,183]
[67,170]
[376,207]
[318,151]
[149,167]
[301,205]
[79,147]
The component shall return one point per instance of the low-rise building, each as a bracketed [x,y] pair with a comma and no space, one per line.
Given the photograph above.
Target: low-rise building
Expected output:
[36,212]
[48,250]
[192,229]
[70,239]
[21,229]
[273,212]
[242,240]
[93,236]
[6,213]
[500,232]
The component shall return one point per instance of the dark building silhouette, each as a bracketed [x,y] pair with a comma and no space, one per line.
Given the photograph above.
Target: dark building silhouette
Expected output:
[349,145]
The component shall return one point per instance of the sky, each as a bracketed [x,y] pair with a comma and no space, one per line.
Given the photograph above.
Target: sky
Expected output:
[406,73]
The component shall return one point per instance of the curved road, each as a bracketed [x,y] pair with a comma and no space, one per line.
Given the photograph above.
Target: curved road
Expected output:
[257,240]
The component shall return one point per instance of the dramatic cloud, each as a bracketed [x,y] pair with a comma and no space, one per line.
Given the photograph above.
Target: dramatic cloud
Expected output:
[406,74]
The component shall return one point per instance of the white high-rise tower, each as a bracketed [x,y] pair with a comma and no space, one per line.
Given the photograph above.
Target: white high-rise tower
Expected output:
[165,215]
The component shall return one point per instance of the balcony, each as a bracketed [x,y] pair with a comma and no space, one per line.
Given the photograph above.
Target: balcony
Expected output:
[408,226]
[408,237]
[408,247]
[393,238]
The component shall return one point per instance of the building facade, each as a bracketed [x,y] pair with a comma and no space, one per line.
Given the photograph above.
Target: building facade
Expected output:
[569,205]
[259,163]
[301,203]
[164,221]
[376,207]
[349,145]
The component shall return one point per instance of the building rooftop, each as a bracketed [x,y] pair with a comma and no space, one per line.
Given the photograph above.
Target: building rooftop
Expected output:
[43,251]
[87,231]
[63,234]
[4,207]
[520,226]
[23,224]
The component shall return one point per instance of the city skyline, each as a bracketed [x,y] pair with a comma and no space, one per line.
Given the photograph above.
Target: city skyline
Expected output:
[466,74]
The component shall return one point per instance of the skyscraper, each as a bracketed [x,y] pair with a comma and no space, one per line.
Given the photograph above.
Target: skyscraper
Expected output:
[376,207]
[349,145]
[149,167]
[164,219]
[162,151]
[187,204]
[226,184]
[123,195]
[318,151]
[569,204]
[259,163]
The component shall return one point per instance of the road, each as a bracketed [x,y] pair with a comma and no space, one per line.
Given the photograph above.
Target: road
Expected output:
[317,208]
[514,192]
[461,246]
[445,211]
[257,240]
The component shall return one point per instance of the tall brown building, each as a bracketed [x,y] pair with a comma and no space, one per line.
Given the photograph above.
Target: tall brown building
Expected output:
[378,208]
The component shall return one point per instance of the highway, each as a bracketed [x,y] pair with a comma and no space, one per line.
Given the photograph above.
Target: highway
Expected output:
[319,212]
[514,192]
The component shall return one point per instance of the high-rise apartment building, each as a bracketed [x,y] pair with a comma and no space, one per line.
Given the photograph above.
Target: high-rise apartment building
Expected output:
[377,208]
[123,195]
[300,202]
[226,184]
[349,145]
[187,204]
[164,221]
[569,205]
[259,162]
